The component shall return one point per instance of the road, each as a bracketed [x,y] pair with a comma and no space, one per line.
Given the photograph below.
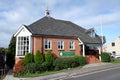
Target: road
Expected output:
[110,74]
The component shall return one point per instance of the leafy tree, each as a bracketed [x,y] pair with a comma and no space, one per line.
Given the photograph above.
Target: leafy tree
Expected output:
[11,53]
[38,58]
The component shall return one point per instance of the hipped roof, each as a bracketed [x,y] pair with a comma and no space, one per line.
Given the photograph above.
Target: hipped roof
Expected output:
[48,26]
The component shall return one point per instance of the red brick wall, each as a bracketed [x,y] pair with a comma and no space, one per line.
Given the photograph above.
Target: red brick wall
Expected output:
[91,59]
[37,45]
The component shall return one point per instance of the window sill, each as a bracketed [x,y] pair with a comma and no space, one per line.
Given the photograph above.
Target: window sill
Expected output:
[60,49]
[20,56]
[47,49]
[72,49]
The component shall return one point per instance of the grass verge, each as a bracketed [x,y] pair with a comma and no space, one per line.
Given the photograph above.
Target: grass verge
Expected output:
[28,75]
[115,61]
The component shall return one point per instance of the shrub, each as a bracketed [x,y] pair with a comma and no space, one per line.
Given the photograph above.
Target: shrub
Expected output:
[81,60]
[28,58]
[38,58]
[105,57]
[63,63]
[18,68]
[49,58]
[46,66]
[30,68]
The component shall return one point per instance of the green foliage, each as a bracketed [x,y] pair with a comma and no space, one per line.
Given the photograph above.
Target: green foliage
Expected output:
[38,58]
[49,58]
[63,63]
[28,58]
[30,68]
[11,53]
[105,57]
[81,60]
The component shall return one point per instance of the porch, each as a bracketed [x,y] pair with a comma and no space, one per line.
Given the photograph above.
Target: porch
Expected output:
[91,52]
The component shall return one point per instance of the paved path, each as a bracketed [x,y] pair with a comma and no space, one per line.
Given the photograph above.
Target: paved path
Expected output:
[63,75]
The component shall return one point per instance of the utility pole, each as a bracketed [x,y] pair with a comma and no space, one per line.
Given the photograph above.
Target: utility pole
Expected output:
[101,33]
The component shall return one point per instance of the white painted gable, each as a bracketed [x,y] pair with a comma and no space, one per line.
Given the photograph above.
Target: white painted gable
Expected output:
[23,31]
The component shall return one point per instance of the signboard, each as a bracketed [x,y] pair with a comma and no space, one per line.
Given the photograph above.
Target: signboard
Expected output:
[67,53]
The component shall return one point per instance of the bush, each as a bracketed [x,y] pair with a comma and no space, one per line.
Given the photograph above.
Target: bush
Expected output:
[81,60]
[63,63]
[105,57]
[46,66]
[30,68]
[38,58]
[28,58]
[49,58]
[18,68]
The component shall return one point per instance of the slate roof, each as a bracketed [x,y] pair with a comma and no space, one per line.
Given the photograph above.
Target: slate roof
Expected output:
[48,26]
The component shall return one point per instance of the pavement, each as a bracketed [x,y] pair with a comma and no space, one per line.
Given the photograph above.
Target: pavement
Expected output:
[69,74]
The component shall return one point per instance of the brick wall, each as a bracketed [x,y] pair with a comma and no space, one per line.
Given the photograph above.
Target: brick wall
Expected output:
[38,42]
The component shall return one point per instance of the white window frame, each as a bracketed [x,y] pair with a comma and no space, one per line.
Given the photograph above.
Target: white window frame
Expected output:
[48,43]
[21,47]
[60,45]
[72,45]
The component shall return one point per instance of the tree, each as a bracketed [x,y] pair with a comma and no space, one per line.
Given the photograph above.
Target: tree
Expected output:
[38,58]
[11,52]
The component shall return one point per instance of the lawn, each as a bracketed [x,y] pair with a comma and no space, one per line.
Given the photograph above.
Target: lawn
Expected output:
[115,61]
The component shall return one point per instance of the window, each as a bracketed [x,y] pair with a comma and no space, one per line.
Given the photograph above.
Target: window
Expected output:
[60,45]
[71,45]
[48,44]
[113,44]
[23,45]
[92,34]
[114,53]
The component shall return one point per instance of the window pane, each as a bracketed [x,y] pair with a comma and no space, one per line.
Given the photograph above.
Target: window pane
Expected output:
[47,44]
[23,45]
[60,44]
[71,45]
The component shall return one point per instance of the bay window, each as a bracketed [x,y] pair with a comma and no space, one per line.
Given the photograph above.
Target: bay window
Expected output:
[22,45]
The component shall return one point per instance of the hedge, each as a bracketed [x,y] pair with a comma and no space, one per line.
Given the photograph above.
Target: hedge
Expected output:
[105,57]
[63,63]
[81,60]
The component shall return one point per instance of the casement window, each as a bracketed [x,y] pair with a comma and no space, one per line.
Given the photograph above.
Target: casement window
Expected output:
[48,44]
[60,45]
[23,45]
[71,45]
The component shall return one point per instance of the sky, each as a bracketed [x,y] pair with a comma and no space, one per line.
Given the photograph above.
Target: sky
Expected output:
[85,13]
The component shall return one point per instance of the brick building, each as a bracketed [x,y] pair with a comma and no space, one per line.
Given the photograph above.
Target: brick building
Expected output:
[63,38]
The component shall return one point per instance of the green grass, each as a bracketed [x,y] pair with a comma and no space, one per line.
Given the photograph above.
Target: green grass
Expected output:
[28,75]
[115,61]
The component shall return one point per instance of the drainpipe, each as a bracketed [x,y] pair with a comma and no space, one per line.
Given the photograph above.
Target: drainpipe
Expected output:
[42,45]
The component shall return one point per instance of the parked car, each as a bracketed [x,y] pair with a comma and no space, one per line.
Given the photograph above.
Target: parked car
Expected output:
[117,56]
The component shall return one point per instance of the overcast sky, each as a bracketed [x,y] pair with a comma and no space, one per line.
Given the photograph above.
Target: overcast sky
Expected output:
[86,13]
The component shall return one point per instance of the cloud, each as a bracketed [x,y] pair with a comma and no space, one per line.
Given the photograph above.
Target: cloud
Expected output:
[106,19]
[86,13]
